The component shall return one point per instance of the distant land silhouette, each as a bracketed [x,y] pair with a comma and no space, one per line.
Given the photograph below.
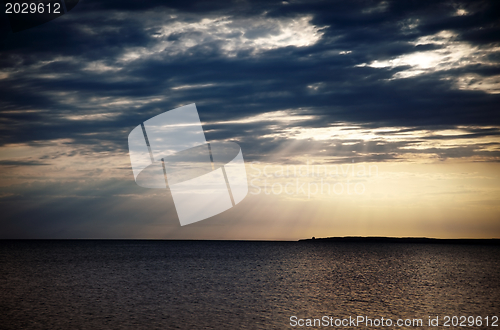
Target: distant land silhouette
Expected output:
[413,240]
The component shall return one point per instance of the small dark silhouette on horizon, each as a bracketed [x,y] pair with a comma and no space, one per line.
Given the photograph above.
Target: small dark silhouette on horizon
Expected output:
[413,240]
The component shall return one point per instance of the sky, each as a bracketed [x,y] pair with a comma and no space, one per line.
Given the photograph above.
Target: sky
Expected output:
[355,118]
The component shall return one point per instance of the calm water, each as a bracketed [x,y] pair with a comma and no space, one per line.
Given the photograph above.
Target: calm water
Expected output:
[237,285]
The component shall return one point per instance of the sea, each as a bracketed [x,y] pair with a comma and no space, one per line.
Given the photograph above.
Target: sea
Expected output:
[156,284]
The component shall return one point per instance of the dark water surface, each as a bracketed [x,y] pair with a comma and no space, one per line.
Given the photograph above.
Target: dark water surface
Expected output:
[238,285]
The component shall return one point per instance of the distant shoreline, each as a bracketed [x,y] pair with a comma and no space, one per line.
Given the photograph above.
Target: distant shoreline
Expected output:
[345,239]
[412,240]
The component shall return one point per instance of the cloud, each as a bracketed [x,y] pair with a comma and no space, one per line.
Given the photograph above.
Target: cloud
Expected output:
[180,36]
[20,163]
[377,81]
[448,53]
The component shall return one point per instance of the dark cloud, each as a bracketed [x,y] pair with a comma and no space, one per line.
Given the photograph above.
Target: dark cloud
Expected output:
[262,73]
[20,163]
[48,67]
[75,66]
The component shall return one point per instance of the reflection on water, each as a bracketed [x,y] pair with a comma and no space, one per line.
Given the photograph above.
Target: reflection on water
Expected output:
[235,285]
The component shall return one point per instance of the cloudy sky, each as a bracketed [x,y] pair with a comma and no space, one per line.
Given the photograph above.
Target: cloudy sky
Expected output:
[397,102]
